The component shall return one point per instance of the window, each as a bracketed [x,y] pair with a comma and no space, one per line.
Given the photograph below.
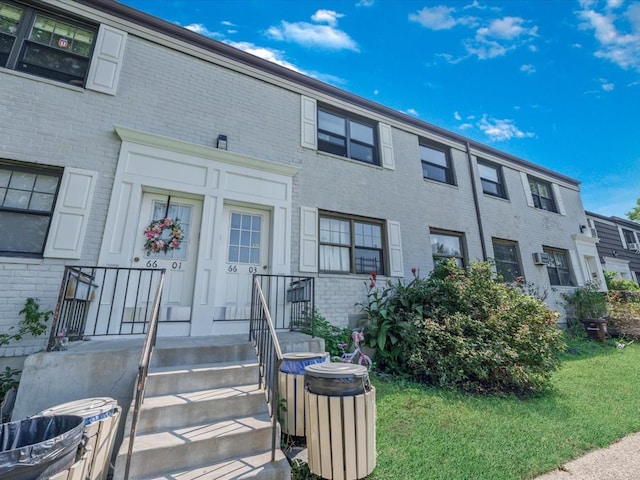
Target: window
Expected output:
[558,267]
[505,255]
[447,245]
[629,237]
[347,137]
[351,245]
[44,44]
[27,200]
[436,163]
[491,179]
[542,196]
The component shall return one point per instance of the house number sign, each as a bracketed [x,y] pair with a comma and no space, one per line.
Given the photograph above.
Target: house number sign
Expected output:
[175,265]
[235,269]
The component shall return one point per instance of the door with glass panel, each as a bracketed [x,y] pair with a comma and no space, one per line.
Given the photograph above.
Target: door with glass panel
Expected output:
[245,240]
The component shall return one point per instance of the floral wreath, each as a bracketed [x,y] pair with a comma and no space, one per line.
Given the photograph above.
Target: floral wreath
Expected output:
[154,232]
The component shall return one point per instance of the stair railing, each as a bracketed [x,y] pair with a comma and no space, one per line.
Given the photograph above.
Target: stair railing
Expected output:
[143,369]
[263,335]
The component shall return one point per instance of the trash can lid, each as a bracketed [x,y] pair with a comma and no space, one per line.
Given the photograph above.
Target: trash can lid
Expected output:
[92,409]
[336,370]
[304,355]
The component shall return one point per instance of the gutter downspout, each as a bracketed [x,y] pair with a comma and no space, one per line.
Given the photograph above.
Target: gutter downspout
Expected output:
[476,203]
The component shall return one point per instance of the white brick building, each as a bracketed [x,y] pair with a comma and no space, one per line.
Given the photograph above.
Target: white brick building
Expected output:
[111,121]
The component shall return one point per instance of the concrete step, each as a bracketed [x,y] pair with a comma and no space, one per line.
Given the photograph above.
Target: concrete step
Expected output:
[192,378]
[173,410]
[181,448]
[200,353]
[257,466]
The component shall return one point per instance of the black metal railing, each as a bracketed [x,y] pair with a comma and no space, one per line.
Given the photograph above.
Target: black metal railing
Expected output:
[95,301]
[291,300]
[143,369]
[263,335]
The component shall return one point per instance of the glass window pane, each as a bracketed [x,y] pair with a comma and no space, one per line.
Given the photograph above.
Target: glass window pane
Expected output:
[255,239]
[9,18]
[245,239]
[368,261]
[490,173]
[23,233]
[256,223]
[360,132]
[332,123]
[5,176]
[233,254]
[334,259]
[234,237]
[361,152]
[17,199]
[22,181]
[42,202]
[431,155]
[235,220]
[433,172]
[490,188]
[246,222]
[445,245]
[46,184]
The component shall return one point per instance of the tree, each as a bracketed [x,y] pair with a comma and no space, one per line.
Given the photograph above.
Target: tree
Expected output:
[634,214]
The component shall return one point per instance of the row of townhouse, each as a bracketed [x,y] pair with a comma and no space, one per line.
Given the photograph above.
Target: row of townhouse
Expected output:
[618,246]
[114,118]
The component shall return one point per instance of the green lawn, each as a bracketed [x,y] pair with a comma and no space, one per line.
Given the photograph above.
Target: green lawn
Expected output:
[427,433]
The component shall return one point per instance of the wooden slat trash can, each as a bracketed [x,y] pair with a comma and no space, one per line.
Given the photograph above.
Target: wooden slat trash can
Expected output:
[291,388]
[341,421]
[101,416]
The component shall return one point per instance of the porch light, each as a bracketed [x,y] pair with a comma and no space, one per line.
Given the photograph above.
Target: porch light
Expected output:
[221,143]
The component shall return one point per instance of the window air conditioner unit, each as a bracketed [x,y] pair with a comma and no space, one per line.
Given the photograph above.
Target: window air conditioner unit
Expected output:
[541,258]
[633,246]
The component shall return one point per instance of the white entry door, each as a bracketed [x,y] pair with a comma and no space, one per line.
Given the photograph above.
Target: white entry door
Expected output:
[180,263]
[246,251]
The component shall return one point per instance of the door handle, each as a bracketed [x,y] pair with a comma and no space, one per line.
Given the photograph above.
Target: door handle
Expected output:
[136,259]
[264,267]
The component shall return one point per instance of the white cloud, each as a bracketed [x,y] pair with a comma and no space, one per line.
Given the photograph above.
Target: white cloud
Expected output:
[435,18]
[500,36]
[272,55]
[202,30]
[617,31]
[365,3]
[413,111]
[465,126]
[507,28]
[457,116]
[528,68]
[501,129]
[606,86]
[313,35]
[227,23]
[329,17]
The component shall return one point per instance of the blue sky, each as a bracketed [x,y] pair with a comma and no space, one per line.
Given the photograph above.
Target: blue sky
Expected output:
[555,82]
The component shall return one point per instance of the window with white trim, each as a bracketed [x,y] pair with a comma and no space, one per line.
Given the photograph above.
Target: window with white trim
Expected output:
[558,267]
[436,162]
[347,136]
[542,194]
[351,244]
[445,245]
[27,200]
[491,179]
[629,237]
[45,44]
[507,259]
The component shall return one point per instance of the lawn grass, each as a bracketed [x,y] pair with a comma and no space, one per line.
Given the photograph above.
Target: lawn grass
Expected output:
[427,433]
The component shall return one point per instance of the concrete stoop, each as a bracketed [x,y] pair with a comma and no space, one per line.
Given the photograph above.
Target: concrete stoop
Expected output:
[203,420]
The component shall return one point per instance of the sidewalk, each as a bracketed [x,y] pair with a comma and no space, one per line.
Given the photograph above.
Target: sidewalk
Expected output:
[620,461]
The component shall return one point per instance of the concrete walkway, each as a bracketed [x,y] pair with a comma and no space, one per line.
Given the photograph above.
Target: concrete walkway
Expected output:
[620,461]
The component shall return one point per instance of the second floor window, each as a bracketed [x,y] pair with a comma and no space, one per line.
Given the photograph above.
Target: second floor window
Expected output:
[491,179]
[542,195]
[44,44]
[348,137]
[436,163]
[27,200]
[351,245]
[629,237]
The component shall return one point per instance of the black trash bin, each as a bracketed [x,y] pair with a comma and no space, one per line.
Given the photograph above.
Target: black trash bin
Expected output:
[39,447]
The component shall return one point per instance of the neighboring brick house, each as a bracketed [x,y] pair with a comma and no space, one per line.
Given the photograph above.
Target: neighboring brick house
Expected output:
[619,245]
[114,117]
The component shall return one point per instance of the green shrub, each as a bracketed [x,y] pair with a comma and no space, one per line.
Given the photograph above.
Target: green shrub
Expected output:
[586,301]
[614,283]
[331,334]
[469,331]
